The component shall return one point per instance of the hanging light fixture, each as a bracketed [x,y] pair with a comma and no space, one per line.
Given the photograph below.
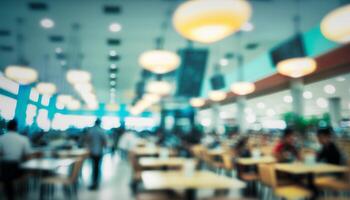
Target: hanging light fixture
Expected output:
[46,88]
[209,21]
[217,95]
[159,61]
[297,67]
[335,26]
[243,88]
[20,72]
[161,88]
[197,102]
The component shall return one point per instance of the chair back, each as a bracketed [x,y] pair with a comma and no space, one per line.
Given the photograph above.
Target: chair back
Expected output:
[77,166]
[267,175]
[227,160]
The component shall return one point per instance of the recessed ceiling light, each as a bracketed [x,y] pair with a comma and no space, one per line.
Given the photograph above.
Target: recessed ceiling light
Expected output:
[112,83]
[329,89]
[115,27]
[261,105]
[113,66]
[58,50]
[112,53]
[307,95]
[223,61]
[341,79]
[63,62]
[322,103]
[112,75]
[288,99]
[47,23]
[247,27]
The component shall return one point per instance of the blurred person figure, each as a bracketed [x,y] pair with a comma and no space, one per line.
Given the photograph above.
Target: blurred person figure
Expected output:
[14,148]
[242,148]
[286,150]
[329,152]
[96,140]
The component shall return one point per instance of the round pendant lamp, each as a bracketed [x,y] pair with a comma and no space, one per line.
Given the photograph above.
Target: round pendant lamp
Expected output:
[217,95]
[46,88]
[22,75]
[336,25]
[75,76]
[297,67]
[243,88]
[197,102]
[159,61]
[161,88]
[209,21]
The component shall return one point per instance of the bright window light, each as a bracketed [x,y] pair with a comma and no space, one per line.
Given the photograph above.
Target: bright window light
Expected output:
[45,100]
[34,95]
[274,124]
[288,99]
[329,89]
[7,107]
[43,120]
[109,122]
[8,85]
[30,114]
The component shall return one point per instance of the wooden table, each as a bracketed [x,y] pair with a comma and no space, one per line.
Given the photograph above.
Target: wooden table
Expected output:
[216,152]
[310,170]
[163,180]
[150,162]
[47,164]
[73,153]
[149,151]
[256,161]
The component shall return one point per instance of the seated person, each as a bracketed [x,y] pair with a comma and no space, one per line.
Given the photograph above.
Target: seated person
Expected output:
[242,149]
[329,151]
[285,150]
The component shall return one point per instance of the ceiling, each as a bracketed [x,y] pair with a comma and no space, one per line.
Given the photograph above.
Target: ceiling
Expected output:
[141,21]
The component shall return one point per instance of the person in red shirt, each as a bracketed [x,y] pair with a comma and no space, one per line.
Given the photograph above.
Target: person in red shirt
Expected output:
[286,150]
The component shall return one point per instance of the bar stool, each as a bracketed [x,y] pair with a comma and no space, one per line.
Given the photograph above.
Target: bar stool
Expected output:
[268,178]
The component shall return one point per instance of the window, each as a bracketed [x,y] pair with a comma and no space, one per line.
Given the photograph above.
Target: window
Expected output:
[45,100]
[30,114]
[7,107]
[63,122]
[9,85]
[34,95]
[43,120]
[109,122]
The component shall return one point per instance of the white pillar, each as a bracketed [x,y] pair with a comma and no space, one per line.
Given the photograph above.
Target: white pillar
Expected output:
[240,117]
[296,90]
[335,111]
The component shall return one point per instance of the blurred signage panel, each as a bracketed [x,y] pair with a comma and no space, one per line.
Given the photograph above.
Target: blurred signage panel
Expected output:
[191,72]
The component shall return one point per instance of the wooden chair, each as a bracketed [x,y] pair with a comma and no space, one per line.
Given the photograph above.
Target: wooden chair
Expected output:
[69,182]
[268,178]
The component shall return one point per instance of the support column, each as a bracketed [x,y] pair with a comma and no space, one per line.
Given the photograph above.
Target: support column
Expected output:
[335,111]
[296,90]
[215,117]
[21,106]
[240,117]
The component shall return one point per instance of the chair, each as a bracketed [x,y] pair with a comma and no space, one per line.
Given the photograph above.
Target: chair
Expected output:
[268,178]
[69,182]
[329,183]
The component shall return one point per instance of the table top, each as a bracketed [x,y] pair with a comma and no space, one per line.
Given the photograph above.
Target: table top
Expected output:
[159,180]
[256,161]
[318,168]
[73,152]
[161,162]
[216,152]
[145,151]
[47,164]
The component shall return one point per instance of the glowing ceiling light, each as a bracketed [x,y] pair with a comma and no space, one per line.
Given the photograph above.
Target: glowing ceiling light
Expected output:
[335,26]
[113,53]
[329,89]
[112,75]
[58,50]
[75,76]
[297,67]
[83,87]
[46,88]
[322,102]
[197,102]
[307,95]
[115,27]
[243,88]
[223,61]
[21,74]
[159,61]
[217,95]
[47,23]
[208,21]
[288,99]
[113,66]
[161,88]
